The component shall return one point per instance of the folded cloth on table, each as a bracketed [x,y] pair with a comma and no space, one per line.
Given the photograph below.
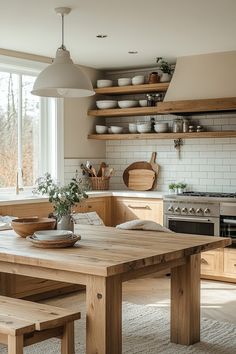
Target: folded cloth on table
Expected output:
[91,218]
[145,225]
[5,222]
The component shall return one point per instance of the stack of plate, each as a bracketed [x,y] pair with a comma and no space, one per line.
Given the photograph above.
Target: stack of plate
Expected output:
[54,238]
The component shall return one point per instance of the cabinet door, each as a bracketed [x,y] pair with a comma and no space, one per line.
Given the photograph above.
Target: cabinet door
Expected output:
[230,262]
[212,262]
[126,209]
[100,205]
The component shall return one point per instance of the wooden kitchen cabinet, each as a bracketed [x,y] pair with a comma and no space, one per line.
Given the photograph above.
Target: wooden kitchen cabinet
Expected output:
[230,262]
[101,205]
[126,209]
[212,262]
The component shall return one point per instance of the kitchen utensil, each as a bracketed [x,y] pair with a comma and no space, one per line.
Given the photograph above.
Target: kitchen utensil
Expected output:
[133,128]
[27,226]
[153,78]
[155,167]
[143,165]
[124,81]
[161,127]
[127,103]
[69,242]
[101,129]
[141,180]
[104,83]
[138,80]
[102,165]
[106,104]
[116,130]
[144,127]
[143,103]
[94,171]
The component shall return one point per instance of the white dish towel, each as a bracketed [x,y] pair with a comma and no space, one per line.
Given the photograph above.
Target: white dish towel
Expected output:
[145,225]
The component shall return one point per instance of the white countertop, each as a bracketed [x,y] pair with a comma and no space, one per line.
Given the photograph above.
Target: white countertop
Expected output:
[9,199]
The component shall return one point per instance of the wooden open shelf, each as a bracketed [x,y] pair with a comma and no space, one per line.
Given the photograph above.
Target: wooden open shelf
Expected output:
[132,89]
[216,134]
[172,107]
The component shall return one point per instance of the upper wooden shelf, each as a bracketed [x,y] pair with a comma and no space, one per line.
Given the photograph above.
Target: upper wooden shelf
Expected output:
[132,89]
[216,134]
[171,107]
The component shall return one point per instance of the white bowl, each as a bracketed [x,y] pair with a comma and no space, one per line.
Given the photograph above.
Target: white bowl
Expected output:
[53,234]
[104,83]
[133,128]
[124,81]
[144,128]
[106,104]
[127,103]
[116,130]
[143,103]
[161,127]
[101,129]
[138,80]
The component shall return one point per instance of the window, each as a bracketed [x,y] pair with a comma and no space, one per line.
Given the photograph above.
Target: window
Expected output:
[29,129]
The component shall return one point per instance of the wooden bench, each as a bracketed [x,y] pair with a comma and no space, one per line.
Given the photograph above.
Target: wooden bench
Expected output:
[23,323]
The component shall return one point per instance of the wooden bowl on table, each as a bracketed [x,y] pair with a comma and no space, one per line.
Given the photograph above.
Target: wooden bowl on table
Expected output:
[27,226]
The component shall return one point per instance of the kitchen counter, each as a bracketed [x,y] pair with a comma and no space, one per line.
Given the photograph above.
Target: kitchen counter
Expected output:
[9,199]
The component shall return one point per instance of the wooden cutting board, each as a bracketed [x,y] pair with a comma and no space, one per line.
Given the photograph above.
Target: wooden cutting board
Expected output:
[143,165]
[141,180]
[155,167]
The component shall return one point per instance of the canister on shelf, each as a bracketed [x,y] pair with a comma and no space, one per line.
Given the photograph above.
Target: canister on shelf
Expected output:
[185,125]
[177,125]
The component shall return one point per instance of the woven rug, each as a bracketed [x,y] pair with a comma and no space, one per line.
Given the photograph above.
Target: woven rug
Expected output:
[146,331]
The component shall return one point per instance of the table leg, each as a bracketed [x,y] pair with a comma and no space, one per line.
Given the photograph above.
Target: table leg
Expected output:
[185,302]
[104,307]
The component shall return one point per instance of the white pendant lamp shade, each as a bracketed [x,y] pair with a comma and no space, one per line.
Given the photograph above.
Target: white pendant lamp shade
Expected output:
[63,78]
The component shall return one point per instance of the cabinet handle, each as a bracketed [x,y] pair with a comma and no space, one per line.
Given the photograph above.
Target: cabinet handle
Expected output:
[139,207]
[203,261]
[234,265]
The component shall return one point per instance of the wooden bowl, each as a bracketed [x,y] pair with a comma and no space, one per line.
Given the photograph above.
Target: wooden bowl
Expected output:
[27,226]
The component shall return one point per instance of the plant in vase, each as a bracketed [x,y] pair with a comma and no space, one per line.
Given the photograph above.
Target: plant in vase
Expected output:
[181,187]
[166,70]
[172,188]
[63,198]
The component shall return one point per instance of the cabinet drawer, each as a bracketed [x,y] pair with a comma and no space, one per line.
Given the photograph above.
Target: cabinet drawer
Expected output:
[212,262]
[230,262]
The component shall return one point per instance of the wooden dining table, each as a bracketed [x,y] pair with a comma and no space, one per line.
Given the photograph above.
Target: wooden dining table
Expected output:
[104,259]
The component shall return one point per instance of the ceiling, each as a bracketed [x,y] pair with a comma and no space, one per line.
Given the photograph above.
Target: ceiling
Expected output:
[169,28]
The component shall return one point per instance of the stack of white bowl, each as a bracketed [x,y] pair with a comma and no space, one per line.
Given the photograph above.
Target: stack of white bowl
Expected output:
[106,104]
[162,127]
[104,83]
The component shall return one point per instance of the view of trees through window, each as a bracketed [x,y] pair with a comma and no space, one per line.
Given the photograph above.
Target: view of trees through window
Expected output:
[19,128]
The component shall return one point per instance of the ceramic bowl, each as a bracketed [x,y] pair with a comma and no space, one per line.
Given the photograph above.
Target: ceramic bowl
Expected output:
[27,226]
[116,130]
[104,83]
[143,103]
[124,81]
[138,80]
[53,235]
[106,104]
[161,127]
[127,103]
[144,128]
[133,128]
[101,129]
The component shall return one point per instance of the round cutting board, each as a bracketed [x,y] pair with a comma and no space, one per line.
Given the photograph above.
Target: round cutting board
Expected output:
[140,165]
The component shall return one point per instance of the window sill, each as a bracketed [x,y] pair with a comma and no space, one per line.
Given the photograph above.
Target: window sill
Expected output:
[9,199]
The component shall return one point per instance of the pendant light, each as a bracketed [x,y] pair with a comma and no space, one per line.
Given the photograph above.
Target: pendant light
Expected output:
[62,78]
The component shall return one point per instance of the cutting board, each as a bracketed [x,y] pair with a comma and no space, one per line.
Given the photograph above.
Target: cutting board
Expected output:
[141,180]
[155,167]
[143,165]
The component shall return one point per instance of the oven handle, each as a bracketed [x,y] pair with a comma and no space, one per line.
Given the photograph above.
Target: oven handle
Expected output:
[229,221]
[189,219]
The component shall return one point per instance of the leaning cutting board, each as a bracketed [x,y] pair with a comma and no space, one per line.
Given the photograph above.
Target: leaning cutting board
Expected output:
[140,165]
[141,180]
[155,167]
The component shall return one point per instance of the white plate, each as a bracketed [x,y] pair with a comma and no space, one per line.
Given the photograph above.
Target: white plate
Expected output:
[49,235]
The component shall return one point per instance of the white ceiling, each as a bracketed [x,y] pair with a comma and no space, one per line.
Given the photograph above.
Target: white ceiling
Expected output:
[167,28]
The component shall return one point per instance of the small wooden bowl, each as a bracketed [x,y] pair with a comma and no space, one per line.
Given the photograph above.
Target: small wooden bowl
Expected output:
[27,226]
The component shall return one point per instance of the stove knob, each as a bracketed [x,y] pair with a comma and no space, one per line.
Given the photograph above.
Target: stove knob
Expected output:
[171,209]
[177,210]
[184,211]
[199,211]
[207,211]
[191,211]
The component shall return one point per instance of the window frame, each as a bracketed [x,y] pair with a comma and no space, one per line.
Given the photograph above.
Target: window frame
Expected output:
[51,134]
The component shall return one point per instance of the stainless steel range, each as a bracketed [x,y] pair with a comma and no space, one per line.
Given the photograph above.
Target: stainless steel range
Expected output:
[201,213]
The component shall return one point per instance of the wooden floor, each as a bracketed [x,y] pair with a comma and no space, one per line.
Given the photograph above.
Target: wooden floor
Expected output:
[218,299]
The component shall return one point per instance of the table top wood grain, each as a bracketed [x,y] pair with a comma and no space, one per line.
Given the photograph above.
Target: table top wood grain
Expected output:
[108,251]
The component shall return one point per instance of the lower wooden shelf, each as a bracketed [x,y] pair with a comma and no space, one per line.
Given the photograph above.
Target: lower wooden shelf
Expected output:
[216,134]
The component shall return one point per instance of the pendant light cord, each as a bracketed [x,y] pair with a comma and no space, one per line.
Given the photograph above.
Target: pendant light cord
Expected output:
[62,32]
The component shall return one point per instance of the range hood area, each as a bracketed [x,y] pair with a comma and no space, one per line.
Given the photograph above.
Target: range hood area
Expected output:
[203,83]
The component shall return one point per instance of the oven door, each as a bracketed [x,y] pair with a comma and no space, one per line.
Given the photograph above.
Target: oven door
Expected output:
[208,226]
[228,228]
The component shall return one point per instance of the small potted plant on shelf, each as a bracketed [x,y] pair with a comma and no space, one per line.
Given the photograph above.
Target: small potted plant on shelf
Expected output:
[63,198]
[181,187]
[166,70]
[172,188]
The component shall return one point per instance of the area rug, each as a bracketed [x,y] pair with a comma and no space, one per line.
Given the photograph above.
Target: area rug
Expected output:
[146,331]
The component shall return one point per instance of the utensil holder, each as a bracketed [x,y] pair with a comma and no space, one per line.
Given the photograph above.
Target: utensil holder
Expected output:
[99,183]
